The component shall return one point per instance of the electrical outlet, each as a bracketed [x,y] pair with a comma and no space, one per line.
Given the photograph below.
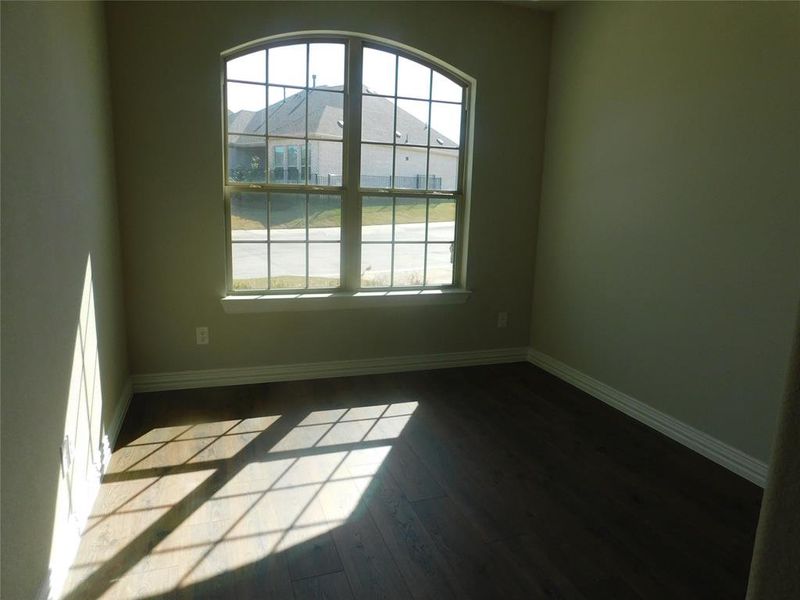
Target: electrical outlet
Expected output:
[502,320]
[202,336]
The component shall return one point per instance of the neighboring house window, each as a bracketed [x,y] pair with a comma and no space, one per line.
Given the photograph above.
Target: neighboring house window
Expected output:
[279,164]
[327,189]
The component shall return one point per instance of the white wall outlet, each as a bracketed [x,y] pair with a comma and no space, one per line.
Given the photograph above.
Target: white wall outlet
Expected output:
[502,320]
[202,336]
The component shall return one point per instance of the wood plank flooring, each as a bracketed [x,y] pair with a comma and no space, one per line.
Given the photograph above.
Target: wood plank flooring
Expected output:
[483,482]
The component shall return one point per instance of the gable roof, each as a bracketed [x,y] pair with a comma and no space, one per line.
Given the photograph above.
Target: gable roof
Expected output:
[286,118]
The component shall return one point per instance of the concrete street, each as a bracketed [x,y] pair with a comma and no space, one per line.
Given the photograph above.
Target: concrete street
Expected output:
[288,259]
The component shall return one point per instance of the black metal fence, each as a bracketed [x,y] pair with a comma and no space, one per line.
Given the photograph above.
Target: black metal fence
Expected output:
[407,182]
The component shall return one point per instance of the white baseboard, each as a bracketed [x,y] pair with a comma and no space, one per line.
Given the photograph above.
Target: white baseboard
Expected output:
[119,414]
[703,443]
[721,453]
[43,593]
[337,368]
[53,582]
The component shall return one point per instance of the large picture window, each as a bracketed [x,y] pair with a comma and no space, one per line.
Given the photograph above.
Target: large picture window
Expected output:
[344,167]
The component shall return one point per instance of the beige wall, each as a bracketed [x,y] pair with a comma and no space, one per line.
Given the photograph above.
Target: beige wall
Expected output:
[668,261]
[165,83]
[58,209]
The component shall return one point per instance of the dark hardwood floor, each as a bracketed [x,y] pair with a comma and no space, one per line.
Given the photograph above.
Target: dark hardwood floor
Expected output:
[484,482]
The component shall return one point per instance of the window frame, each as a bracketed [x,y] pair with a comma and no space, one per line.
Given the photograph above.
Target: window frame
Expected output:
[350,191]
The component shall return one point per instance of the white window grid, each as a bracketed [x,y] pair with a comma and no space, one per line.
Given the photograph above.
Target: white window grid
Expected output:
[350,191]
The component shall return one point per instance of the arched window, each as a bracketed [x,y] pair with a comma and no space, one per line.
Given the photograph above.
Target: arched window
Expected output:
[344,166]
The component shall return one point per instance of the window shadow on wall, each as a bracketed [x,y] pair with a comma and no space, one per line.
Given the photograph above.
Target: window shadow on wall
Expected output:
[84,449]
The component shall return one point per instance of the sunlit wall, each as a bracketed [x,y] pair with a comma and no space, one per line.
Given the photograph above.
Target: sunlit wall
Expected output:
[85,448]
[58,209]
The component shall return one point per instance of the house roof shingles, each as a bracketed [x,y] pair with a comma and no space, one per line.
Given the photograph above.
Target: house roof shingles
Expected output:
[325,109]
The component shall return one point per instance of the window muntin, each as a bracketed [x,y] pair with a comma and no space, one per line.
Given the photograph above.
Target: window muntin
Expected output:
[283,239]
[273,100]
[407,111]
[287,127]
[407,241]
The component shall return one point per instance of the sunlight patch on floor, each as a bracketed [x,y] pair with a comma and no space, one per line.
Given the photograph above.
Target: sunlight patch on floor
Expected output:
[239,501]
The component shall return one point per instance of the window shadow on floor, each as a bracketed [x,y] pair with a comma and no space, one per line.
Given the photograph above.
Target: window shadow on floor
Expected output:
[233,507]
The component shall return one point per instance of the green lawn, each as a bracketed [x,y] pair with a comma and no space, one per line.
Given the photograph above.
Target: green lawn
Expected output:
[297,282]
[251,215]
[287,282]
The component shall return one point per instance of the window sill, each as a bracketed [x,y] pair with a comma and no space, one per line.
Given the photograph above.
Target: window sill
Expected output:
[341,300]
